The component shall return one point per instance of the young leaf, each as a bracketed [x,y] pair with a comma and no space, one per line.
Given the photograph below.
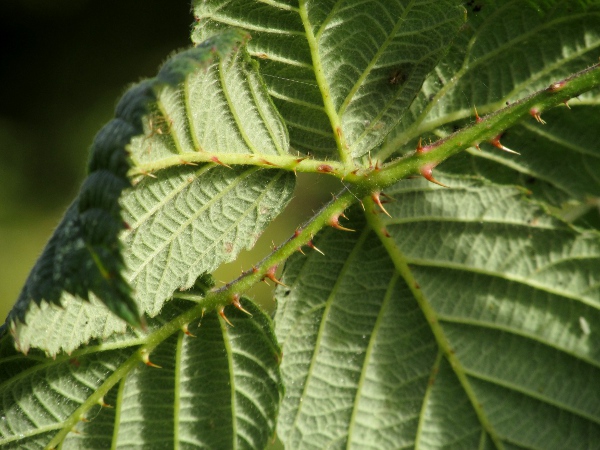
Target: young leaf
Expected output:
[342,75]
[219,388]
[470,301]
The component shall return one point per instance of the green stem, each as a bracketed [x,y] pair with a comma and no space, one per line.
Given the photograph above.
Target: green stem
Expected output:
[302,237]
[323,84]
[487,129]
[369,179]
[94,399]
[285,162]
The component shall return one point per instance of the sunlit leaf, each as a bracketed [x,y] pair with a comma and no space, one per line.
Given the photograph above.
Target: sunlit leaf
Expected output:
[346,68]
[465,322]
[219,388]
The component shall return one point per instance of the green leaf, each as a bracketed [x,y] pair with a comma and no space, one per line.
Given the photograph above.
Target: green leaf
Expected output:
[189,221]
[181,222]
[217,389]
[342,75]
[476,308]
[568,162]
[506,51]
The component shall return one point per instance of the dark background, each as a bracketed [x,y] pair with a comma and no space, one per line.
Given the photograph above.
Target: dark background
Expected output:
[64,64]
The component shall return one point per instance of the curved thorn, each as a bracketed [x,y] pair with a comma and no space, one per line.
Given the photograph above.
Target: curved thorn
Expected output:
[271,276]
[222,314]
[427,172]
[146,359]
[311,245]
[377,200]
[101,403]
[186,331]
[236,302]
[218,161]
[496,143]
[335,223]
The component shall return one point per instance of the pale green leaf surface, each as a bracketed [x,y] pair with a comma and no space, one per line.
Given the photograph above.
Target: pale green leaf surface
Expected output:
[508,50]
[352,349]
[329,65]
[185,220]
[219,389]
[190,220]
[484,276]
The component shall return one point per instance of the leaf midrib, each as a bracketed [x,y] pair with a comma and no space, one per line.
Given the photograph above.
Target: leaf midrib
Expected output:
[402,266]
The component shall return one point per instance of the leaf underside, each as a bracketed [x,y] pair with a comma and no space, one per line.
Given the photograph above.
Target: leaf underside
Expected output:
[185,220]
[466,320]
[475,272]
[217,389]
[353,66]
[506,51]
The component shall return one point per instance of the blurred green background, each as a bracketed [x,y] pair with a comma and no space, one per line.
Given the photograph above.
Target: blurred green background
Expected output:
[64,65]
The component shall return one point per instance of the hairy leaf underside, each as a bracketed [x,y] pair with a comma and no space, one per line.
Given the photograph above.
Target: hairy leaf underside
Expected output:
[353,68]
[219,388]
[180,222]
[473,277]
[464,318]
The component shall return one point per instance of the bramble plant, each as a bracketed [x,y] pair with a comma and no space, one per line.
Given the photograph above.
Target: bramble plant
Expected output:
[447,297]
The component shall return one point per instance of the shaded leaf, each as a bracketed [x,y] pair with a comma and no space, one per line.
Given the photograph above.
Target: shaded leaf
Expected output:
[506,51]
